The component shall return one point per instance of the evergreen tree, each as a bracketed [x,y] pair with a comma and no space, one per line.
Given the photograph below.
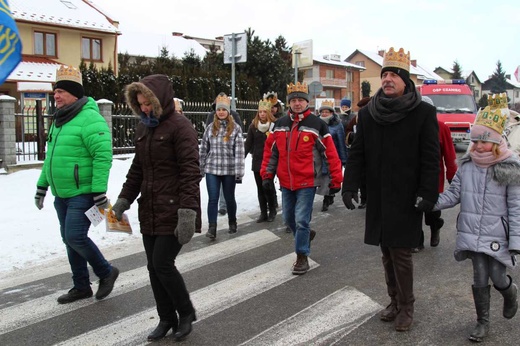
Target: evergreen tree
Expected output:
[482,102]
[498,80]
[365,88]
[457,71]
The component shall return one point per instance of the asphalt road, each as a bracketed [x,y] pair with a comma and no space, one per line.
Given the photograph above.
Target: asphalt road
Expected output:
[244,293]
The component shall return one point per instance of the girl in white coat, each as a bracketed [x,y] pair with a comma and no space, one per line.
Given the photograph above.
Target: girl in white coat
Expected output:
[487,186]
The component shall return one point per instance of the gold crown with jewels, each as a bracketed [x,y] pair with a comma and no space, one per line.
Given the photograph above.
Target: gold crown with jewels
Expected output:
[297,88]
[69,73]
[496,114]
[264,105]
[327,103]
[222,99]
[398,59]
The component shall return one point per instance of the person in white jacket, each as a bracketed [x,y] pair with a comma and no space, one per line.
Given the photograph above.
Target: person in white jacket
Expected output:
[487,186]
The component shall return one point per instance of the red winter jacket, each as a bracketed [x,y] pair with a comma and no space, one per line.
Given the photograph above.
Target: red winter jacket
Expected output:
[295,150]
[448,155]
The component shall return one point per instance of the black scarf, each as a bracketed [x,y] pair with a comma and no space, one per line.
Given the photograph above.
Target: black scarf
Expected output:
[67,113]
[385,110]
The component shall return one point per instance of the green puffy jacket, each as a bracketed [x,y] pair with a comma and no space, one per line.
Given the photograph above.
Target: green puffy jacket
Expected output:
[79,155]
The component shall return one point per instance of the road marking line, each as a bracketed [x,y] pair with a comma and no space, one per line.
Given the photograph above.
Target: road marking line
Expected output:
[36,310]
[323,323]
[208,301]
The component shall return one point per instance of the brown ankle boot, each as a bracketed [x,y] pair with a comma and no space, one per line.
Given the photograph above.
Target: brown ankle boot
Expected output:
[388,314]
[404,318]
[301,266]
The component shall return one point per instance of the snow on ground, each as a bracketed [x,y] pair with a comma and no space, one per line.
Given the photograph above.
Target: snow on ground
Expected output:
[30,236]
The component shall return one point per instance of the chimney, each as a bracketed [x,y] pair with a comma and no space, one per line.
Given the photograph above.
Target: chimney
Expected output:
[381,52]
[413,62]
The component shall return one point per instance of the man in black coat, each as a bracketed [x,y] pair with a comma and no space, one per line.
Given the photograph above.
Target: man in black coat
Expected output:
[396,152]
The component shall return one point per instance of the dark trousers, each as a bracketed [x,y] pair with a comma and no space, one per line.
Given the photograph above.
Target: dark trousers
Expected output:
[266,200]
[398,265]
[168,286]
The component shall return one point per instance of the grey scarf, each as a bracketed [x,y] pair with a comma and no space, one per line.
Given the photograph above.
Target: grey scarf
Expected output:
[67,113]
[385,110]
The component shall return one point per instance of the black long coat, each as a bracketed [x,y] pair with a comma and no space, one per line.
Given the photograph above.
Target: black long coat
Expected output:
[165,171]
[400,161]
[254,144]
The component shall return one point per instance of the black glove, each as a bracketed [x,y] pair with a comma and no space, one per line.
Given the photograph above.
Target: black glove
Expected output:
[238,180]
[348,196]
[268,185]
[40,196]
[423,205]
[185,225]
[449,181]
[120,207]
[333,190]
[101,201]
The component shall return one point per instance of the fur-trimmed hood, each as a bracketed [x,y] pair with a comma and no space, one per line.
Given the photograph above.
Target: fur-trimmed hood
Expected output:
[157,89]
[506,172]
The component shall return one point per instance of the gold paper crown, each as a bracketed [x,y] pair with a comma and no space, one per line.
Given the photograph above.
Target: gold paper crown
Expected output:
[271,96]
[327,103]
[178,104]
[397,59]
[496,114]
[70,73]
[297,88]
[222,99]
[264,105]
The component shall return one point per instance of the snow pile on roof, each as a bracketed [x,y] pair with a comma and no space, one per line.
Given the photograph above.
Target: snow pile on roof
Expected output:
[72,13]
[34,72]
[323,60]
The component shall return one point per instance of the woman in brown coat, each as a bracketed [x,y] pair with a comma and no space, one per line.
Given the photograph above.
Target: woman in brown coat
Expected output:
[165,172]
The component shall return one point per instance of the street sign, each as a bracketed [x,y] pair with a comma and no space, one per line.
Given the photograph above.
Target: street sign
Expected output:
[315,88]
[235,48]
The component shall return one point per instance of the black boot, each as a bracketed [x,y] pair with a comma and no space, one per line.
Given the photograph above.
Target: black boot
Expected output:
[262,217]
[185,327]
[162,329]
[389,314]
[481,298]
[436,230]
[510,302]
[327,202]
[272,214]
[212,231]
[232,227]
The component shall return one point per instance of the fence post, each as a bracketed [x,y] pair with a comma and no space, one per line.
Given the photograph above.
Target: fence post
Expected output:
[105,108]
[7,131]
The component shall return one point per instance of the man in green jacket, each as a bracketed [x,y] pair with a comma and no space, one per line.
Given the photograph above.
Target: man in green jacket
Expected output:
[77,166]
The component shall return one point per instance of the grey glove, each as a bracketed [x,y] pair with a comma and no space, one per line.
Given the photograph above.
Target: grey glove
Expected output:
[101,201]
[120,207]
[185,225]
[347,197]
[40,196]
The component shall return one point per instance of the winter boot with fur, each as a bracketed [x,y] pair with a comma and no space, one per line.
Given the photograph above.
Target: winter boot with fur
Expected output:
[481,297]
[510,302]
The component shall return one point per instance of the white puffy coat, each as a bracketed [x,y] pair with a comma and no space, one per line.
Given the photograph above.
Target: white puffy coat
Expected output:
[489,218]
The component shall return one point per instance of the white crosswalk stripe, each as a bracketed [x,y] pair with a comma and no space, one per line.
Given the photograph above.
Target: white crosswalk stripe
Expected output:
[21,315]
[323,322]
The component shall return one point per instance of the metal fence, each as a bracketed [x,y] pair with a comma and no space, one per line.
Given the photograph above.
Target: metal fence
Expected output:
[124,122]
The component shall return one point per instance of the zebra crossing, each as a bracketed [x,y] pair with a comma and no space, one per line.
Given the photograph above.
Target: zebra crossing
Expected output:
[323,322]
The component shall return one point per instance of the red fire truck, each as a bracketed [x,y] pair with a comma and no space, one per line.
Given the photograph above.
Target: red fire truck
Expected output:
[456,106]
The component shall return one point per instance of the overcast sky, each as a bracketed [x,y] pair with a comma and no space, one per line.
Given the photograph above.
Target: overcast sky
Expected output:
[437,32]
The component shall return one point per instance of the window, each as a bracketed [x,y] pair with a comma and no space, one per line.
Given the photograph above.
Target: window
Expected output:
[44,43]
[329,94]
[476,94]
[360,63]
[91,48]
[308,73]
[329,74]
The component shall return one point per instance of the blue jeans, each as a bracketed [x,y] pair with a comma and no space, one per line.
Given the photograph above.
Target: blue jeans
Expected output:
[297,213]
[228,183]
[74,225]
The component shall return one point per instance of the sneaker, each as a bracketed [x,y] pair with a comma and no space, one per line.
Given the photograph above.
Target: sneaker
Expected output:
[301,266]
[288,229]
[107,284]
[74,294]
[222,211]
